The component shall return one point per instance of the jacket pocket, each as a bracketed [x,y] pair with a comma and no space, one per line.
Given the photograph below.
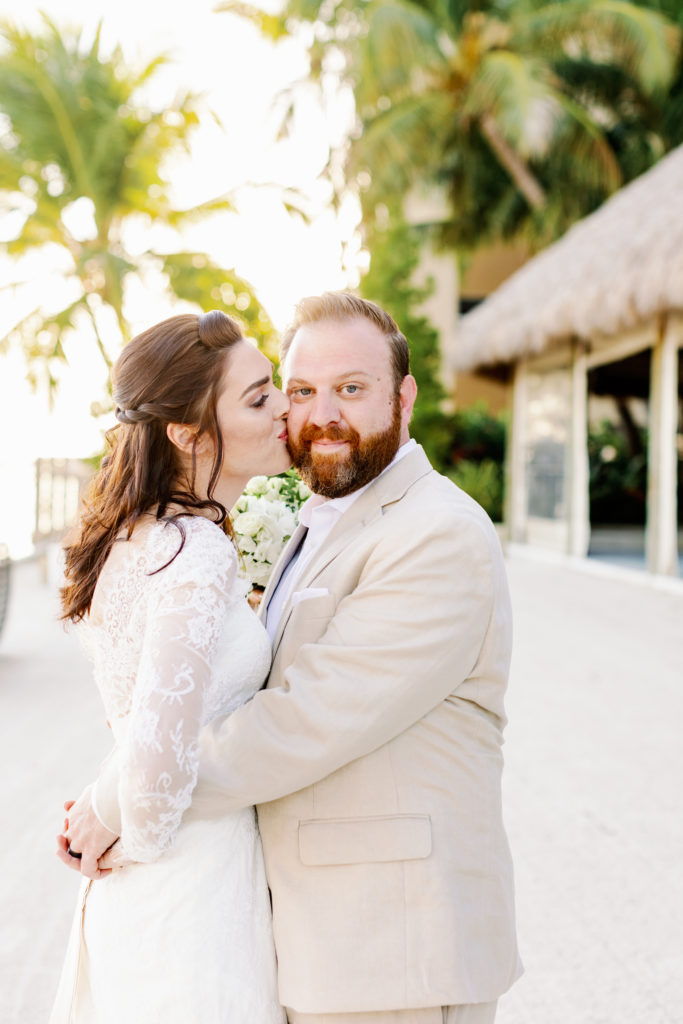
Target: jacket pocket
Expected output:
[313,603]
[365,840]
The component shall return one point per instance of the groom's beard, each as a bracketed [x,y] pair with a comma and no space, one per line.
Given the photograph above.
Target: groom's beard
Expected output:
[340,473]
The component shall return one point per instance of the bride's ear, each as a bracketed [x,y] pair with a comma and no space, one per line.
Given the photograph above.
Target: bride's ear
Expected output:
[182,436]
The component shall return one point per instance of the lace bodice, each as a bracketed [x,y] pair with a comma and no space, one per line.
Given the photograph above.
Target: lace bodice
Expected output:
[171,651]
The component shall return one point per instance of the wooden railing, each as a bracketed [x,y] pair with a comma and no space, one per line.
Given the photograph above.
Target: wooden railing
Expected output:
[59,487]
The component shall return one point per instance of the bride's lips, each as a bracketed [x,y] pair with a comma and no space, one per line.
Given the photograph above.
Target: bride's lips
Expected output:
[282,436]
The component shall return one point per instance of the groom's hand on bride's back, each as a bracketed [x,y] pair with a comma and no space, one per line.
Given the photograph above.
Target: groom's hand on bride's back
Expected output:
[83,834]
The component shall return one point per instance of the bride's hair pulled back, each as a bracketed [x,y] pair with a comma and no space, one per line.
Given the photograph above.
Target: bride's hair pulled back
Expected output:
[171,373]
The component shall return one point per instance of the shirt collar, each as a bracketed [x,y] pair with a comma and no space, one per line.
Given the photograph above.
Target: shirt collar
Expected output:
[338,506]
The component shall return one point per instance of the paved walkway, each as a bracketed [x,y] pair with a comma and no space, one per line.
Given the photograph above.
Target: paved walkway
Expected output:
[593,797]
[51,737]
[592,790]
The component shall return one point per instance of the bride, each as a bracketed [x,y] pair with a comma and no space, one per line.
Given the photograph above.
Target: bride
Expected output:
[181,929]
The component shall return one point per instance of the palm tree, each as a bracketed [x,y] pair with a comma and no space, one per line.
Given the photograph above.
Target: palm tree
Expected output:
[82,160]
[528,115]
[671,125]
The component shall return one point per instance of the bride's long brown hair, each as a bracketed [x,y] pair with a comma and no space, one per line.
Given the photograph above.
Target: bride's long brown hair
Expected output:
[171,373]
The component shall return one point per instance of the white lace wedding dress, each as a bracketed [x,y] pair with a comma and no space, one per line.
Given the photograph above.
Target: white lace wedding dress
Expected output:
[184,933]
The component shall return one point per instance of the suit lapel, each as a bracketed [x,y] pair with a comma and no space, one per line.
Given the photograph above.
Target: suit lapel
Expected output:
[332,547]
[386,489]
[283,561]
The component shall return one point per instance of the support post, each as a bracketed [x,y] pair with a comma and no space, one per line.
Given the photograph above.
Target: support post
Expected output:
[661,535]
[515,475]
[579,513]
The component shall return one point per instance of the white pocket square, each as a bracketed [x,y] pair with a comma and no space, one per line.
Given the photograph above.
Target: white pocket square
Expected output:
[308,592]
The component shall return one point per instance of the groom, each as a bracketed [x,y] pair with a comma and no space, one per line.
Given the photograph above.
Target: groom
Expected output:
[374,754]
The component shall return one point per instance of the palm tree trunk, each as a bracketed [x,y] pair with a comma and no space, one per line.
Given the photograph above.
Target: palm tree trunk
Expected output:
[518,170]
[98,339]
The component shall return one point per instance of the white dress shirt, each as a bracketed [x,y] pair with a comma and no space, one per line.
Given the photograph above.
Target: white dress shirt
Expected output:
[320,515]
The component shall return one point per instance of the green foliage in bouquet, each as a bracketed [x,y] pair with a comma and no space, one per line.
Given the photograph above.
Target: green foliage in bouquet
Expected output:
[263,520]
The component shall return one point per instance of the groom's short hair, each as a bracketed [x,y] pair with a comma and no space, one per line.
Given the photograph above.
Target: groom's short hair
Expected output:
[340,306]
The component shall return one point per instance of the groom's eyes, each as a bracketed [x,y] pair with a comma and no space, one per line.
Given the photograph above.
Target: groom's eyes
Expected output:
[305,392]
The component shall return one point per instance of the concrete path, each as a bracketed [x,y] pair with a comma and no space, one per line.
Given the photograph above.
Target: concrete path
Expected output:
[52,737]
[592,791]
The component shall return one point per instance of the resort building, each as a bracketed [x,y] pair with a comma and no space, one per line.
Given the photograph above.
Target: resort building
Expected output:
[592,324]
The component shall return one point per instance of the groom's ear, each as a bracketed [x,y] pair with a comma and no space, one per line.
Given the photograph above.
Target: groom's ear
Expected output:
[407,396]
[182,436]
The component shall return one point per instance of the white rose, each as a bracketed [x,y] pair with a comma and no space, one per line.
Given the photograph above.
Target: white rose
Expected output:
[247,523]
[287,522]
[259,573]
[268,540]
[251,503]
[263,521]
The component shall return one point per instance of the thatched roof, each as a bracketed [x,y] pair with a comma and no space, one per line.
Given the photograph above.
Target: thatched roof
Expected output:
[613,270]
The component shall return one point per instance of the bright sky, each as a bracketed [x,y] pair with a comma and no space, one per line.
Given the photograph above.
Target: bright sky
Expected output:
[240,73]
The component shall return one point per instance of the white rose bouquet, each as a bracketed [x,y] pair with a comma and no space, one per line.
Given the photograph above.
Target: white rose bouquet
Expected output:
[264,519]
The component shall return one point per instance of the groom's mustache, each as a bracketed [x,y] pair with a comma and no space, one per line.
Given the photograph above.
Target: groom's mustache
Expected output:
[312,433]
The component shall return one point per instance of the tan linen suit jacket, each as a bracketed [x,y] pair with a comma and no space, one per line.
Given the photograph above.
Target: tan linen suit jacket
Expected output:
[374,756]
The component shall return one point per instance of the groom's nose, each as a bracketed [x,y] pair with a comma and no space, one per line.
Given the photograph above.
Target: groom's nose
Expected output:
[324,409]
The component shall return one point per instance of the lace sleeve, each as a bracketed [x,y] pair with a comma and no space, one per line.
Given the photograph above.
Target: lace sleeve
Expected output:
[187,607]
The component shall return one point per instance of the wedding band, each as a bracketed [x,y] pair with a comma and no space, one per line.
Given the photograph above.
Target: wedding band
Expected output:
[76,856]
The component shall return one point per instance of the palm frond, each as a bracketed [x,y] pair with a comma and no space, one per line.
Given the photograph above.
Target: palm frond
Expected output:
[142,77]
[41,334]
[515,90]
[399,144]
[32,78]
[42,226]
[76,127]
[220,204]
[12,170]
[400,44]
[195,278]
[641,40]
[586,145]
[272,26]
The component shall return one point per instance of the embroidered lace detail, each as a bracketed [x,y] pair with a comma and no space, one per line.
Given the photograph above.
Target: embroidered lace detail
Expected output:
[171,651]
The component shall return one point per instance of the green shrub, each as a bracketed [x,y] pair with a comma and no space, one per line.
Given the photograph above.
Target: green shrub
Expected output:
[617,475]
[483,481]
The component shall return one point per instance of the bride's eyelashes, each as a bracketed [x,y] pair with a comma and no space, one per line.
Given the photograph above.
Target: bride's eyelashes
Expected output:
[260,402]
